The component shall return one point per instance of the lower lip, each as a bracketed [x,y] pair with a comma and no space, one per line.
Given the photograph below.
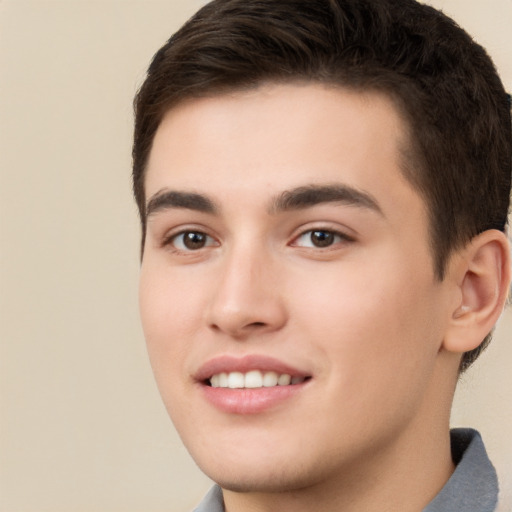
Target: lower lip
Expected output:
[250,401]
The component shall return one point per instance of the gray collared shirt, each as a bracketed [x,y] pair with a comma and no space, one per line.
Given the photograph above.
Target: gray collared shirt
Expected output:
[473,486]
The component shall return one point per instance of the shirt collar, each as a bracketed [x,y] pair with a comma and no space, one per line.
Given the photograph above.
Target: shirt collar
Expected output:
[473,486]
[212,502]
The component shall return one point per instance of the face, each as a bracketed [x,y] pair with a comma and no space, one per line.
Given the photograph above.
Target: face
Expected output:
[287,290]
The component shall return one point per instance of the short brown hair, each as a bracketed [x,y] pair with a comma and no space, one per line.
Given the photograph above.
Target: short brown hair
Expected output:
[444,84]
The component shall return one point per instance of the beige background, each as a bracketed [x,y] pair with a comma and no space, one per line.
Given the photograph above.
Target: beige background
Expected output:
[82,427]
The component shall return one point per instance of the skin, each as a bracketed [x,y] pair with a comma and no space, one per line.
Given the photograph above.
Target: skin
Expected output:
[364,317]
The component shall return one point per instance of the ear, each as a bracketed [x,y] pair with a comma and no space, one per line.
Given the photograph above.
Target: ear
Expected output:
[483,278]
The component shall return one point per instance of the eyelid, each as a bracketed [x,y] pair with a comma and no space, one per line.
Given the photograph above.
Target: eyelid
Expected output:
[342,235]
[168,239]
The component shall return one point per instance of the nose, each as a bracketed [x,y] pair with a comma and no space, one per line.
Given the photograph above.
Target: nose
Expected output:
[248,299]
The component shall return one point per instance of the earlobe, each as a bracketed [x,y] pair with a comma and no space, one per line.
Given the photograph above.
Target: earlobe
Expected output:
[484,277]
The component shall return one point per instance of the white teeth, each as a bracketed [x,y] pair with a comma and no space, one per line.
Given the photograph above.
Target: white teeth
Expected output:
[223,380]
[253,379]
[284,380]
[270,379]
[236,380]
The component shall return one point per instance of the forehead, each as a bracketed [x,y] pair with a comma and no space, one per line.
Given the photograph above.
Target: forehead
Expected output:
[279,136]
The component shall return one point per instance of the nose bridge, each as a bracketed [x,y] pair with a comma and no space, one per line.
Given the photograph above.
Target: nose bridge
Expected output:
[247,296]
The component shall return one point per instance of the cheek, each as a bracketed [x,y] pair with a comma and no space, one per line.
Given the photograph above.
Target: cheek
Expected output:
[372,325]
[168,313]
[168,301]
[169,309]
[379,352]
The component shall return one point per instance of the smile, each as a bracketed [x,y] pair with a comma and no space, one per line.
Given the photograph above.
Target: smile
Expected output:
[253,379]
[251,384]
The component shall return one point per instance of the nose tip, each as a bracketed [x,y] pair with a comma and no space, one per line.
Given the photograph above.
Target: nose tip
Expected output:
[238,325]
[246,302]
[242,322]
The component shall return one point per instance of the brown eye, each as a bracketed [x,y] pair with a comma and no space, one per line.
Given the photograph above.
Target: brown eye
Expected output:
[192,241]
[322,238]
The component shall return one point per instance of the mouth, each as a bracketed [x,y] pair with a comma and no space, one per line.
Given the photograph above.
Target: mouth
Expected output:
[250,384]
[254,379]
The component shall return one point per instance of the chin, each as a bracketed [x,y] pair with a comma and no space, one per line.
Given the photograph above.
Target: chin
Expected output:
[285,480]
[264,474]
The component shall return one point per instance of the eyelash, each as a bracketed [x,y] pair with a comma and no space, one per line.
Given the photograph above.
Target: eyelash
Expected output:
[330,237]
[171,240]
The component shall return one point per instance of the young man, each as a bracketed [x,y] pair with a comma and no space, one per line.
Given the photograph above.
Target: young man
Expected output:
[323,188]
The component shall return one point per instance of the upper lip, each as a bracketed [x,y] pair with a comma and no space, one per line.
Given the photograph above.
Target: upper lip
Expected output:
[227,364]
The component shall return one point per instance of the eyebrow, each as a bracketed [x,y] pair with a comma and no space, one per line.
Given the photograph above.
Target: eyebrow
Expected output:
[295,199]
[168,199]
[312,195]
